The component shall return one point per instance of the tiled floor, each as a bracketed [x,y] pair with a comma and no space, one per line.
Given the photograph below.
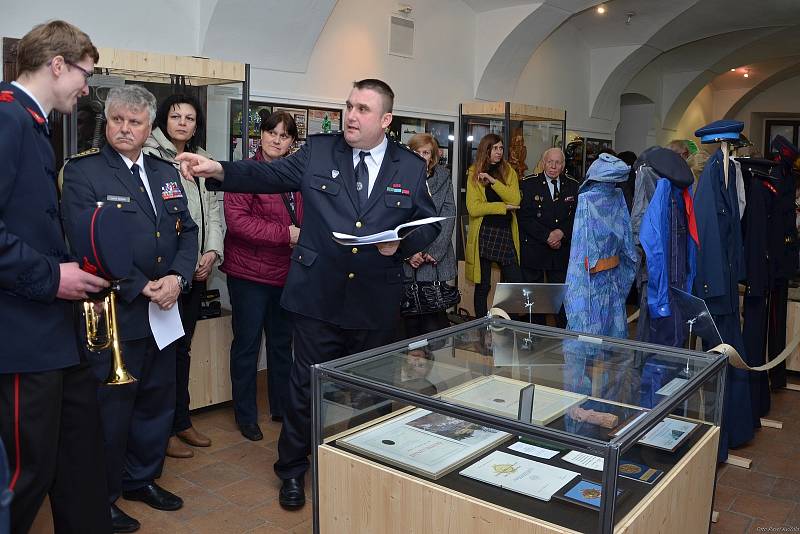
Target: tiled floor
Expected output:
[229,488]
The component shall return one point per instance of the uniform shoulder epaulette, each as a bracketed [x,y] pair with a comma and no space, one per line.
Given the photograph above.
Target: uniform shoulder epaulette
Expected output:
[6,96]
[405,147]
[90,152]
[571,178]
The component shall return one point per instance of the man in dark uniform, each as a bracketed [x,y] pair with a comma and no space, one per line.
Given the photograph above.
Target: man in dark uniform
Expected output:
[545,218]
[49,419]
[137,418]
[344,299]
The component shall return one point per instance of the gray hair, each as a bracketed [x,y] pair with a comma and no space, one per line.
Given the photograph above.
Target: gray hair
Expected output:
[133,97]
[556,150]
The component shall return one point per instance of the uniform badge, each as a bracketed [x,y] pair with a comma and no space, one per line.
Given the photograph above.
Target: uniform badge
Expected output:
[6,96]
[569,199]
[171,190]
[536,198]
[38,118]
[334,173]
[359,186]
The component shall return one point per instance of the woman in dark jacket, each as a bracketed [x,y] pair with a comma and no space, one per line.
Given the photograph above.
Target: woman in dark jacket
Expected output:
[438,259]
[262,229]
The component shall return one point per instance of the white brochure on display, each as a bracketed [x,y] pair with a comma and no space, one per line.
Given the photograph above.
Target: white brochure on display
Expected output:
[669,434]
[424,442]
[520,475]
[500,395]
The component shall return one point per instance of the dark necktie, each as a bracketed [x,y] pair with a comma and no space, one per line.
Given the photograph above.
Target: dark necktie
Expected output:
[554,181]
[362,178]
[138,177]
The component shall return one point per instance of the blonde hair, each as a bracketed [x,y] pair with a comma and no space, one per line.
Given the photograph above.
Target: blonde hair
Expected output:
[697,162]
[419,140]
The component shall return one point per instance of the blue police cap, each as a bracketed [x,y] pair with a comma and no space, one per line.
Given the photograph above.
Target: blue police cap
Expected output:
[720,131]
[102,242]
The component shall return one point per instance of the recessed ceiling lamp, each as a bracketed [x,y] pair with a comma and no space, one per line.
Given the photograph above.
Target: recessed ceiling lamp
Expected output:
[601,9]
[733,70]
[747,73]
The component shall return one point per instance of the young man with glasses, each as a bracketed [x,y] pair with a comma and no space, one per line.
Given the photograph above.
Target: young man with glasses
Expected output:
[49,418]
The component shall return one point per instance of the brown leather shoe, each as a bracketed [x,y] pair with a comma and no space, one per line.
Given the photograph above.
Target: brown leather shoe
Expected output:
[178,449]
[194,438]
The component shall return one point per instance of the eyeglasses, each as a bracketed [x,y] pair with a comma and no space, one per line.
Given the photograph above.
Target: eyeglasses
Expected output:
[86,74]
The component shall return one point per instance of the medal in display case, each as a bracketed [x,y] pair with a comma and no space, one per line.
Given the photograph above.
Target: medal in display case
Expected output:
[498,426]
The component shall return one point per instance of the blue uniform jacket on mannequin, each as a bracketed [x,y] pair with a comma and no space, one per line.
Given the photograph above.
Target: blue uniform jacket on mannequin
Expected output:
[720,267]
[350,287]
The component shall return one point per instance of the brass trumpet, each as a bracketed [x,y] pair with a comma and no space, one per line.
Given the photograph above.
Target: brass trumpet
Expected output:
[102,333]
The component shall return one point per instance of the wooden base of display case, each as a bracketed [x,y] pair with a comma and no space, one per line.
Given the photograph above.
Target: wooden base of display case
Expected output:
[359,495]
[210,375]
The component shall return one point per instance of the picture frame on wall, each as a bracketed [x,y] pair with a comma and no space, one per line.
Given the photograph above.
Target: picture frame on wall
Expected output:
[316,120]
[300,117]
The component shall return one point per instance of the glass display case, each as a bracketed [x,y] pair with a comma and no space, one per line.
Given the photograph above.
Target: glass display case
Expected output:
[501,426]
[527,131]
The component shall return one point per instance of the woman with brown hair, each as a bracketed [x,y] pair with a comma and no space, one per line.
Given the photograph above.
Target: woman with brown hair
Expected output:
[438,260]
[492,200]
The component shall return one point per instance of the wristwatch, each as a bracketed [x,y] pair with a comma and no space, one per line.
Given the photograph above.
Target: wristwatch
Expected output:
[183,282]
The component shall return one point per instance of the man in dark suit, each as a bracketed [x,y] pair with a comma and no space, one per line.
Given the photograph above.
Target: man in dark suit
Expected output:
[344,299]
[137,418]
[49,419]
[545,218]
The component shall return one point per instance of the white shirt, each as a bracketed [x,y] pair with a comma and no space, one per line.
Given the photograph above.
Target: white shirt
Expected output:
[143,174]
[550,184]
[25,90]
[373,161]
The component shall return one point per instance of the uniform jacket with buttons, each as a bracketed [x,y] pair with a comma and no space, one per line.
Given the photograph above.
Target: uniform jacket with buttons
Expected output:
[163,243]
[350,287]
[539,215]
[38,329]
[203,204]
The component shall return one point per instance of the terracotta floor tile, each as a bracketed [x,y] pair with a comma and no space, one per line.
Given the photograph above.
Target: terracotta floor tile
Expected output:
[229,519]
[250,492]
[731,523]
[197,501]
[786,489]
[285,519]
[216,475]
[724,497]
[748,480]
[763,506]
[268,528]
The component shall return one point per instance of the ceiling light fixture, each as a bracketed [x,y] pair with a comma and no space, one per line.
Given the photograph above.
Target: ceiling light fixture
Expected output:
[601,9]
[733,70]
[746,74]
[629,17]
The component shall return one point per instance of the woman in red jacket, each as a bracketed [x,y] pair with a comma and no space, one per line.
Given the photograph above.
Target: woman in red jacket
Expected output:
[262,229]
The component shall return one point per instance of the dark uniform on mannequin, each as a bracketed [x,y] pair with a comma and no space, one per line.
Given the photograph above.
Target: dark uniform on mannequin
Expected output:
[49,419]
[545,217]
[137,418]
[344,299]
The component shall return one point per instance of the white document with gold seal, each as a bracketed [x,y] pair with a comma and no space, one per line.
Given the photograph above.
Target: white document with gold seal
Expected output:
[520,475]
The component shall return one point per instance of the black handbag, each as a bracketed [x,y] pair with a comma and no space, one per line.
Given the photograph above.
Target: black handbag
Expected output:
[428,297]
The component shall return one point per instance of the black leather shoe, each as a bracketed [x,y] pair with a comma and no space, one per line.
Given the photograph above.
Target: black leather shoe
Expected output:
[251,432]
[292,495]
[122,522]
[155,496]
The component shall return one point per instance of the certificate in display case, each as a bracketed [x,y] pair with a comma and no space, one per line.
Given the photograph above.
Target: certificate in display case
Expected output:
[435,427]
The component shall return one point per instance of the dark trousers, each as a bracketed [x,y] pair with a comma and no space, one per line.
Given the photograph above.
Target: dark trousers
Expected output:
[314,342]
[508,273]
[50,424]
[190,312]
[778,301]
[549,276]
[754,334]
[137,418]
[257,308]
[417,325]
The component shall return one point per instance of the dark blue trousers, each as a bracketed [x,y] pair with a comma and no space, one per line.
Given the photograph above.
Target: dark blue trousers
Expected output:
[137,418]
[315,342]
[256,308]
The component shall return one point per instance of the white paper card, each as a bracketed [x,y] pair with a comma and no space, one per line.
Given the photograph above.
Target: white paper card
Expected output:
[672,386]
[533,450]
[165,325]
[520,475]
[668,434]
[582,459]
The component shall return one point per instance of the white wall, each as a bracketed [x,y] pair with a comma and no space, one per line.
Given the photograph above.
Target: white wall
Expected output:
[699,113]
[557,75]
[780,98]
[635,130]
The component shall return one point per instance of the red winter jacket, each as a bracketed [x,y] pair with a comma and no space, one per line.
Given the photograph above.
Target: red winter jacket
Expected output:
[257,238]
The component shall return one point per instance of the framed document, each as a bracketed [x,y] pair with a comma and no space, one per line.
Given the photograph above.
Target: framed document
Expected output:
[513,473]
[423,442]
[669,434]
[501,396]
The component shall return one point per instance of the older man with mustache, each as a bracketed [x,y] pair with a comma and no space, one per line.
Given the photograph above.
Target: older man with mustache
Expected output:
[137,418]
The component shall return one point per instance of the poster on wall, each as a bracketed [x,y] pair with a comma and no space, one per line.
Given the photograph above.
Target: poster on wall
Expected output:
[324,120]
[407,131]
[258,112]
[300,117]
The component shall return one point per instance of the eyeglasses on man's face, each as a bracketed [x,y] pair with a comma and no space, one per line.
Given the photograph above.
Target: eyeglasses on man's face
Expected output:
[86,74]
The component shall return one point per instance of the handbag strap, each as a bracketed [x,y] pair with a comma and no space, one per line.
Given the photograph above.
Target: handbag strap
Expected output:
[289,208]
